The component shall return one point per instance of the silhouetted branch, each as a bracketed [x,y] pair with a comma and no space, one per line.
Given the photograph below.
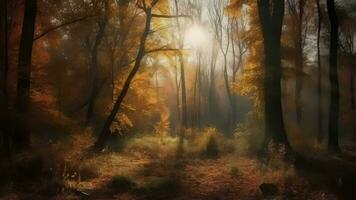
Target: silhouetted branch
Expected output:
[171,16]
[62,25]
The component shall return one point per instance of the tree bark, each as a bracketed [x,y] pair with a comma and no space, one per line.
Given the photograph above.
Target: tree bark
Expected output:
[333,144]
[211,100]
[184,106]
[352,90]
[94,69]
[184,92]
[271,23]
[320,110]
[299,62]
[177,84]
[24,71]
[4,129]
[105,133]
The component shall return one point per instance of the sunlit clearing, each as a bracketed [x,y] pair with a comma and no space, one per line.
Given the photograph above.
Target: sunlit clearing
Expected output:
[196,36]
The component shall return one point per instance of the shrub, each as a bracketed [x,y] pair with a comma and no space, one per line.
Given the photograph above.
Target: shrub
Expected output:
[235,172]
[152,146]
[122,184]
[212,150]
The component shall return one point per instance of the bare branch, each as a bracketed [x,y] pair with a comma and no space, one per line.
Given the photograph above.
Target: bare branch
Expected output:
[171,16]
[162,49]
[62,25]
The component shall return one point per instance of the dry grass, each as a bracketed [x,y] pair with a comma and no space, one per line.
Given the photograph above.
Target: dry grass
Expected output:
[201,178]
[150,163]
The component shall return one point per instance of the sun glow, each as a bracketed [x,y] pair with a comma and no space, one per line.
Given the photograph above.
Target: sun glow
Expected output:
[196,36]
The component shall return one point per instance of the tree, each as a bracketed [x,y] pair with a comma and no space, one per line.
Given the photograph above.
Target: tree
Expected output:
[24,69]
[333,143]
[105,133]
[212,102]
[320,111]
[222,29]
[5,137]
[347,38]
[239,46]
[101,24]
[296,8]
[271,14]
[183,84]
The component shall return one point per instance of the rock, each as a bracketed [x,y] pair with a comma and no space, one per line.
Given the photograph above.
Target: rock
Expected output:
[269,189]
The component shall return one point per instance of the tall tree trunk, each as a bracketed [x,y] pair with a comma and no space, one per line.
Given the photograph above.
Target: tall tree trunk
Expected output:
[199,91]
[184,92]
[196,112]
[352,95]
[184,106]
[334,96]
[194,109]
[320,110]
[234,72]
[24,71]
[177,83]
[105,133]
[299,62]
[229,95]
[4,129]
[271,23]
[94,73]
[211,98]
[352,90]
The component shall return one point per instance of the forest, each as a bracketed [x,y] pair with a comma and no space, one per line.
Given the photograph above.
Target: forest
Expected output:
[177,99]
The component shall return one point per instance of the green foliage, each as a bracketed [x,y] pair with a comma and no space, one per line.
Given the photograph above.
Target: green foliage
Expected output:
[122,184]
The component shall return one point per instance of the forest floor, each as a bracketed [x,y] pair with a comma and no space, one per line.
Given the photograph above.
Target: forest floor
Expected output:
[228,177]
[138,174]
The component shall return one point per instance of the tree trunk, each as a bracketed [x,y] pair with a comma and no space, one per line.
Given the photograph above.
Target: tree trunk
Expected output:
[24,71]
[334,96]
[352,97]
[177,82]
[94,73]
[184,107]
[320,110]
[272,28]
[211,100]
[4,129]
[199,118]
[194,109]
[235,69]
[104,135]
[299,63]
[352,93]
[229,96]
[184,92]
